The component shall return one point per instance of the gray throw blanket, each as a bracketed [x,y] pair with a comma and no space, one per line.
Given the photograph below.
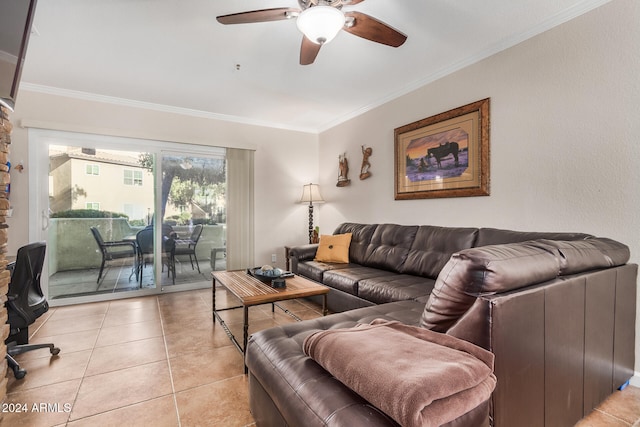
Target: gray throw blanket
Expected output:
[416,376]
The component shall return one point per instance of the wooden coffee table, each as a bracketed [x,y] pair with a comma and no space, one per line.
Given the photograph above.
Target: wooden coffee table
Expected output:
[251,291]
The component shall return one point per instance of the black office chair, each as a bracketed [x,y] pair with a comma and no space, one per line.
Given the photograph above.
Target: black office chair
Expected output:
[114,250]
[144,239]
[25,303]
[188,246]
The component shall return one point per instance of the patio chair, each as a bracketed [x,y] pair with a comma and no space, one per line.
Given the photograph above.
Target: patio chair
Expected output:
[114,250]
[144,239]
[188,246]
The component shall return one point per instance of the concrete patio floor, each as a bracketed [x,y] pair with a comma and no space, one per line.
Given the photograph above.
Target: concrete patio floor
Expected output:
[118,276]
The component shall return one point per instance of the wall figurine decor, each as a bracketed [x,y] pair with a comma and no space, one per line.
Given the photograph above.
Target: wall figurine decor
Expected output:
[343,176]
[364,169]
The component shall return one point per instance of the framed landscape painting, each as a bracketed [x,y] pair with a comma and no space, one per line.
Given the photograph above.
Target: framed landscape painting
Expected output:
[446,155]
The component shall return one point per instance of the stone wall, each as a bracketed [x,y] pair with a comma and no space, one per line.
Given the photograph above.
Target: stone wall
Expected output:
[5,141]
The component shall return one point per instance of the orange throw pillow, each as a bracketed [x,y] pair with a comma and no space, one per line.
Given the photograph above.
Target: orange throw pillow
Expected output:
[334,248]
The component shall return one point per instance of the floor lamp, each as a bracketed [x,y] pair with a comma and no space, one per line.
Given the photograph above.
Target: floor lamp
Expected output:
[311,194]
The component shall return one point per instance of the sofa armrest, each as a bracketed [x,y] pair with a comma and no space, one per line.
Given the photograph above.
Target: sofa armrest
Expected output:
[301,253]
[564,345]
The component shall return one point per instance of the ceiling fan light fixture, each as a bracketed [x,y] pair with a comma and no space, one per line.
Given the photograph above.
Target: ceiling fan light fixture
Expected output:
[320,24]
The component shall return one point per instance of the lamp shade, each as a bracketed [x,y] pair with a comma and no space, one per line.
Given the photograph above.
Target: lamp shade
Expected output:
[320,24]
[311,194]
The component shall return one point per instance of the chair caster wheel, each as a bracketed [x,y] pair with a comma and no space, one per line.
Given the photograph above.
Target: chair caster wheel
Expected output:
[55,350]
[19,373]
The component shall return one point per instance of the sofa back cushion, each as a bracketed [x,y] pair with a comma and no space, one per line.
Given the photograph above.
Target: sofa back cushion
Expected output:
[432,248]
[485,270]
[496,236]
[360,239]
[390,246]
[582,255]
[495,269]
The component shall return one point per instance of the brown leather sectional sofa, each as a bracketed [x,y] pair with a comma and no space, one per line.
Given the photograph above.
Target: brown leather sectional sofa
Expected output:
[557,310]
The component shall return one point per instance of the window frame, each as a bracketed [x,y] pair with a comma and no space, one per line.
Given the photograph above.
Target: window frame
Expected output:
[94,171]
[136,179]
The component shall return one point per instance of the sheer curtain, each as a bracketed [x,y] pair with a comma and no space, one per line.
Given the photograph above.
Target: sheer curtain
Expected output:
[240,209]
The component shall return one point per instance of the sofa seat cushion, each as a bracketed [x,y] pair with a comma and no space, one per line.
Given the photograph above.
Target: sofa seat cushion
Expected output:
[398,287]
[305,393]
[315,270]
[346,279]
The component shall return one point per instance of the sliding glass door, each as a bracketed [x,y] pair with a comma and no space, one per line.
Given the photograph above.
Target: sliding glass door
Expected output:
[193,205]
[99,199]
[122,221]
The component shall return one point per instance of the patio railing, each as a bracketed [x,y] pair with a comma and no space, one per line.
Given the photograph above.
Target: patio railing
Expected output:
[72,246]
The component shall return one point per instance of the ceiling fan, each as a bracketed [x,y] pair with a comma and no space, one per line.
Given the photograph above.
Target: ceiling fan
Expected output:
[320,21]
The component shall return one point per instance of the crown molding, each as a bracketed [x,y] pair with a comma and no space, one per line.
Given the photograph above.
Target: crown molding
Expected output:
[7,57]
[94,97]
[552,22]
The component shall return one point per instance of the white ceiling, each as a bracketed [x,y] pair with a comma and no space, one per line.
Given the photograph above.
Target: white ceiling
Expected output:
[173,55]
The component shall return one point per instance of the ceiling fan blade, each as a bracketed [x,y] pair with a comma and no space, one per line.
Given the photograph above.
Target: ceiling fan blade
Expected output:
[308,51]
[370,28]
[351,2]
[263,15]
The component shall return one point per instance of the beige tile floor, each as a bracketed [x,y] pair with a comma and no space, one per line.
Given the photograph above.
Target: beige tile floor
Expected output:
[160,361]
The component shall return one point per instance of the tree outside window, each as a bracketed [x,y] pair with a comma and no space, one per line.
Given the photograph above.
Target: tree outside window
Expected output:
[190,180]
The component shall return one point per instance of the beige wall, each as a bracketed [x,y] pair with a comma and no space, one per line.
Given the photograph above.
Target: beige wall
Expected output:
[565,152]
[109,189]
[284,160]
[564,142]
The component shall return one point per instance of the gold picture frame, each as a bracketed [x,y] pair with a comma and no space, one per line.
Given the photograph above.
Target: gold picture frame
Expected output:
[446,155]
